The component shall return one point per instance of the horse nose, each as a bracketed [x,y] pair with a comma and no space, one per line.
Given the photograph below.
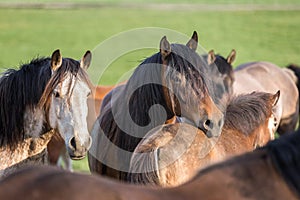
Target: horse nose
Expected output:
[76,149]
[211,128]
[206,126]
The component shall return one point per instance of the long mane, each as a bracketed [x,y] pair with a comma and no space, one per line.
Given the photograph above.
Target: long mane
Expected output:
[130,115]
[246,112]
[22,89]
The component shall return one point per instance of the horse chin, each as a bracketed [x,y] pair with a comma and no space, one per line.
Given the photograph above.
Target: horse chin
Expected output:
[77,157]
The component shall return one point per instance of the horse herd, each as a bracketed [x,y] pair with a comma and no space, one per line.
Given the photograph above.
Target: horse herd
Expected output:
[183,126]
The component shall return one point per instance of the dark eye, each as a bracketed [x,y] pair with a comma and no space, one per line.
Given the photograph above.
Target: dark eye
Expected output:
[88,94]
[56,94]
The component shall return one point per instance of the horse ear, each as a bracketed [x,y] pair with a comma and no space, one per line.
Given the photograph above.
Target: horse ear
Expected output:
[193,42]
[56,60]
[231,57]
[211,57]
[165,48]
[276,98]
[86,60]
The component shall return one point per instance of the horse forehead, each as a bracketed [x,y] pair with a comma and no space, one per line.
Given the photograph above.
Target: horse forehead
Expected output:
[73,85]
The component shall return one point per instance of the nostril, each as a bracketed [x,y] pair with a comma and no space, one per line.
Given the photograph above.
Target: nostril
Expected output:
[208,124]
[72,143]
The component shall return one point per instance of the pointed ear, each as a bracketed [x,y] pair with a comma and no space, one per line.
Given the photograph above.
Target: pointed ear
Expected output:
[193,42]
[56,60]
[231,57]
[275,98]
[86,60]
[211,57]
[165,48]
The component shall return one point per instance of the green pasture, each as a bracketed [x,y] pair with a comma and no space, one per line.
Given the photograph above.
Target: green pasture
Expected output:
[281,2]
[256,35]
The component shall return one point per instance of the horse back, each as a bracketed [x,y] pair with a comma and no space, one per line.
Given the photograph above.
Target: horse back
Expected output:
[267,77]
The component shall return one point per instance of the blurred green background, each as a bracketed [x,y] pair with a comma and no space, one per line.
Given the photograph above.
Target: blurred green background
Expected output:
[265,30]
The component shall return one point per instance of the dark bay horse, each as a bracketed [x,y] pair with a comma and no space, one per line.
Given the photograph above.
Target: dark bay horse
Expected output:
[172,154]
[271,172]
[176,81]
[44,96]
[224,66]
[267,77]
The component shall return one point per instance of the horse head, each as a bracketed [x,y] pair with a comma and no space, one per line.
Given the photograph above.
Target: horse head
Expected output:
[65,99]
[192,89]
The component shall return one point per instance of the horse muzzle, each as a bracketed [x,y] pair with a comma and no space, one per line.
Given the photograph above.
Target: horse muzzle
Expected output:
[76,149]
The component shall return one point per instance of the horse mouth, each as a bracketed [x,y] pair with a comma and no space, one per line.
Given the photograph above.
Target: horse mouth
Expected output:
[76,157]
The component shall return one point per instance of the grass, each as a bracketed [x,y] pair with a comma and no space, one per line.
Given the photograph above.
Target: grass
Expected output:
[281,2]
[256,35]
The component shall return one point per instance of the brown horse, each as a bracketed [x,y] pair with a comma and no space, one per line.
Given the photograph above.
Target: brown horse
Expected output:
[44,96]
[171,154]
[176,81]
[271,172]
[267,77]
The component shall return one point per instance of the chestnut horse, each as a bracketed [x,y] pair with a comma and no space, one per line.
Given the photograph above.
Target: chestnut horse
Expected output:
[44,96]
[271,172]
[176,81]
[171,154]
[267,77]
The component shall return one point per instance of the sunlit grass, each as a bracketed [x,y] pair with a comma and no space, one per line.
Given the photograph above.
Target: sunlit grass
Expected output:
[256,35]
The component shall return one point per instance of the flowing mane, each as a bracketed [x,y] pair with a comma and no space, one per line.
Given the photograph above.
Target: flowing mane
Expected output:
[22,89]
[148,100]
[246,112]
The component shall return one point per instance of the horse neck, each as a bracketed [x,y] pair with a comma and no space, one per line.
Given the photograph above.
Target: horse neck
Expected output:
[35,122]
[143,100]
[31,146]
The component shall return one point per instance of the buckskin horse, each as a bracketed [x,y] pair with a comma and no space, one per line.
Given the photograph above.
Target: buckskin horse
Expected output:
[270,172]
[176,81]
[171,154]
[268,77]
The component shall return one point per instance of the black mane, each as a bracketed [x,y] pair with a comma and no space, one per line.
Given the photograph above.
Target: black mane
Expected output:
[129,117]
[23,88]
[285,155]
[19,89]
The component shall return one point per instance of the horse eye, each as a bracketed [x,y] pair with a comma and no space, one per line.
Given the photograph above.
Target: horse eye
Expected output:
[88,94]
[56,94]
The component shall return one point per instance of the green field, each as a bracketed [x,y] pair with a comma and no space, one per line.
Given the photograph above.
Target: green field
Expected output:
[256,35]
[167,1]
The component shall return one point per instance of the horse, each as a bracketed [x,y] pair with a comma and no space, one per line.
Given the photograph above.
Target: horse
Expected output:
[171,154]
[270,172]
[176,81]
[44,96]
[268,77]
[224,66]
[57,152]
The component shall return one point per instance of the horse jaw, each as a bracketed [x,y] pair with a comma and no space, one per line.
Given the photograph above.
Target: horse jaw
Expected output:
[33,121]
